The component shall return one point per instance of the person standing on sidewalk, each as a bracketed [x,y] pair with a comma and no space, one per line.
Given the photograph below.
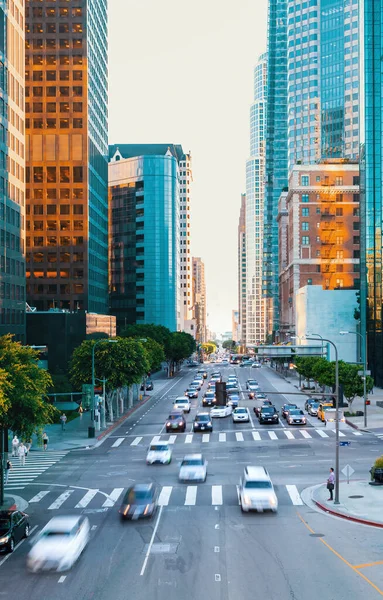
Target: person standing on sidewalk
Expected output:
[22,451]
[15,445]
[63,420]
[45,441]
[7,469]
[331,483]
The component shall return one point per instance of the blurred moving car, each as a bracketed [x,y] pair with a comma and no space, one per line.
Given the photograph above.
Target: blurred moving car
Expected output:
[182,403]
[159,454]
[209,398]
[330,416]
[198,383]
[268,414]
[310,401]
[285,409]
[221,411]
[296,416]
[251,382]
[253,389]
[59,544]
[193,468]
[257,409]
[260,396]
[140,500]
[232,399]
[14,526]
[191,392]
[175,421]
[256,365]
[313,409]
[202,422]
[256,491]
[241,415]
[246,363]
[323,406]
[148,385]
[202,372]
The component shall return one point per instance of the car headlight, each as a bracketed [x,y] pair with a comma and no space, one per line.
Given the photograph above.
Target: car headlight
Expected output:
[272,501]
[246,500]
[168,424]
[4,539]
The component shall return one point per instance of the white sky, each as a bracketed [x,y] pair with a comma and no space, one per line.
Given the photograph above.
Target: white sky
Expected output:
[182,72]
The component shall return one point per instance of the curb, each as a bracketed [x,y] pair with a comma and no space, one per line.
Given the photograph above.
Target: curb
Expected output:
[355,426]
[122,419]
[347,517]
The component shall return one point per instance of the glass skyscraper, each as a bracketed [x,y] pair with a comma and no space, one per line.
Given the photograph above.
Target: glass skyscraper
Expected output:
[12,170]
[255,173]
[144,205]
[67,154]
[276,154]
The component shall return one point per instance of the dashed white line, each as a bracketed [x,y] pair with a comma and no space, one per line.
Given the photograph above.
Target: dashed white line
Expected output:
[151,542]
[62,579]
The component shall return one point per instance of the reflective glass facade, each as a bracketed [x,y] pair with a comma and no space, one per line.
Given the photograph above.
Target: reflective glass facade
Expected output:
[67,154]
[144,210]
[12,170]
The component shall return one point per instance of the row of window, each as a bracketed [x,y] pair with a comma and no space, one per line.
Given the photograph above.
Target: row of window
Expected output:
[52,91]
[55,225]
[54,107]
[53,194]
[68,123]
[9,240]
[10,291]
[11,266]
[54,75]
[53,44]
[12,316]
[338,212]
[53,240]
[55,28]
[53,257]
[51,12]
[339,241]
[64,289]
[56,273]
[54,174]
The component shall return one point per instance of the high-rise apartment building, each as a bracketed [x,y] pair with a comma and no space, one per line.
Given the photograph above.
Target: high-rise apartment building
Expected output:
[144,221]
[186,280]
[323,80]
[199,300]
[319,236]
[242,269]
[255,187]
[67,154]
[372,187]
[12,170]
[276,153]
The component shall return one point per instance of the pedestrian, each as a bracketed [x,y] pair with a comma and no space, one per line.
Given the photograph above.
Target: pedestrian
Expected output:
[15,445]
[80,410]
[63,420]
[28,445]
[7,469]
[45,441]
[331,483]
[22,451]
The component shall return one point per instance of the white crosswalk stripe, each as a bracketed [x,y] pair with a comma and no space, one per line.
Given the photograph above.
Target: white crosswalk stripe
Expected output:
[256,436]
[60,500]
[341,434]
[305,433]
[222,437]
[36,463]
[189,438]
[205,437]
[288,434]
[356,433]
[113,497]
[216,495]
[136,441]
[239,436]
[294,495]
[321,433]
[38,496]
[172,439]
[164,496]
[118,442]
[191,495]
[86,499]
[272,435]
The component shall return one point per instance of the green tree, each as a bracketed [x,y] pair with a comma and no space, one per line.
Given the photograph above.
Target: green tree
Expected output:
[308,366]
[155,352]
[23,389]
[158,333]
[229,345]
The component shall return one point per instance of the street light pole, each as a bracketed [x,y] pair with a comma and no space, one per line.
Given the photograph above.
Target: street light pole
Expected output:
[336,500]
[92,426]
[318,335]
[363,341]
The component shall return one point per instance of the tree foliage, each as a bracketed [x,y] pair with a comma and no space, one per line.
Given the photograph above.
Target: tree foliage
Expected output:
[155,352]
[23,389]
[159,333]
[229,345]
[182,345]
[122,364]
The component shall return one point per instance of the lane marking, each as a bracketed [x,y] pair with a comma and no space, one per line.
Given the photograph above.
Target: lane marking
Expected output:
[117,442]
[151,542]
[305,433]
[189,438]
[216,495]
[342,434]
[216,548]
[164,496]
[136,441]
[38,497]
[86,499]
[191,495]
[155,440]
[272,435]
[205,437]
[239,437]
[294,495]
[172,439]
[62,579]
[321,433]
[113,497]
[256,436]
[373,564]
[289,435]
[356,433]
[222,437]
[60,500]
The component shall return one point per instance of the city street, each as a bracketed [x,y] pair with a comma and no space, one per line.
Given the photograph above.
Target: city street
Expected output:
[199,543]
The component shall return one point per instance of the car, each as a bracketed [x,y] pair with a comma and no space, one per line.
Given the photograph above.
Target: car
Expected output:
[310,401]
[285,409]
[256,491]
[232,388]
[192,364]
[257,409]
[159,454]
[191,392]
[216,374]
[313,409]
[193,467]
[253,389]
[211,385]
[59,544]
[225,362]
[330,416]
[268,414]
[221,411]
[251,382]
[175,421]
[14,526]
[323,406]
[195,384]
[182,403]
[241,415]
[256,365]
[232,379]
[260,396]
[233,400]
[296,416]
[209,399]
[198,380]
[148,385]
[215,378]
[202,422]
[140,500]
[246,363]
[202,372]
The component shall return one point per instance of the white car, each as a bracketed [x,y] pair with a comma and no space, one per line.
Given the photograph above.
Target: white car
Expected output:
[256,365]
[256,491]
[159,454]
[182,403]
[59,544]
[241,414]
[193,468]
[198,379]
[221,411]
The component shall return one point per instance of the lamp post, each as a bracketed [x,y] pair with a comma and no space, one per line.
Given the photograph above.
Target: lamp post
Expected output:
[336,500]
[365,373]
[92,426]
[321,338]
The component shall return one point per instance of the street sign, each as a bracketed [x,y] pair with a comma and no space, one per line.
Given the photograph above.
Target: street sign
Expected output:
[348,471]
[344,443]
[363,373]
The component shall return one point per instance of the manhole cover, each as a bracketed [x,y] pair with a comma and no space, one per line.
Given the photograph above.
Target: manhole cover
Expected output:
[316,534]
[356,496]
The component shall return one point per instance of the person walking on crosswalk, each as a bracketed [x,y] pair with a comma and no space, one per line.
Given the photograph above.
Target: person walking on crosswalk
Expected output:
[7,469]
[22,451]
[15,445]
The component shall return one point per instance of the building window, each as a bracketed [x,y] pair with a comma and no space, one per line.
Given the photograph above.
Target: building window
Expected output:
[305,212]
[339,253]
[356,226]
[339,283]
[338,180]
[305,240]
[305,180]
[339,212]
[355,180]
[356,240]
[305,226]
[356,212]
[309,281]
[305,197]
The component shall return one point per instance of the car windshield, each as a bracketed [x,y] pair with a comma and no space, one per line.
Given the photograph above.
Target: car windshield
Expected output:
[267,409]
[174,417]
[240,410]
[155,448]
[296,412]
[289,406]
[326,407]
[314,404]
[181,401]
[192,462]
[136,496]
[260,485]
[202,418]
[51,534]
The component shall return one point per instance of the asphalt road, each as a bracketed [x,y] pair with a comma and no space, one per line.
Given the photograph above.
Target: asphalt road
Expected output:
[199,544]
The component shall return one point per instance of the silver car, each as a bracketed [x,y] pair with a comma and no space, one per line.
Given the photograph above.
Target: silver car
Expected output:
[256,491]
[193,468]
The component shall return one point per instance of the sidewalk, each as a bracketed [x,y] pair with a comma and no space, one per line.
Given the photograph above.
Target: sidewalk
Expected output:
[359,502]
[76,431]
